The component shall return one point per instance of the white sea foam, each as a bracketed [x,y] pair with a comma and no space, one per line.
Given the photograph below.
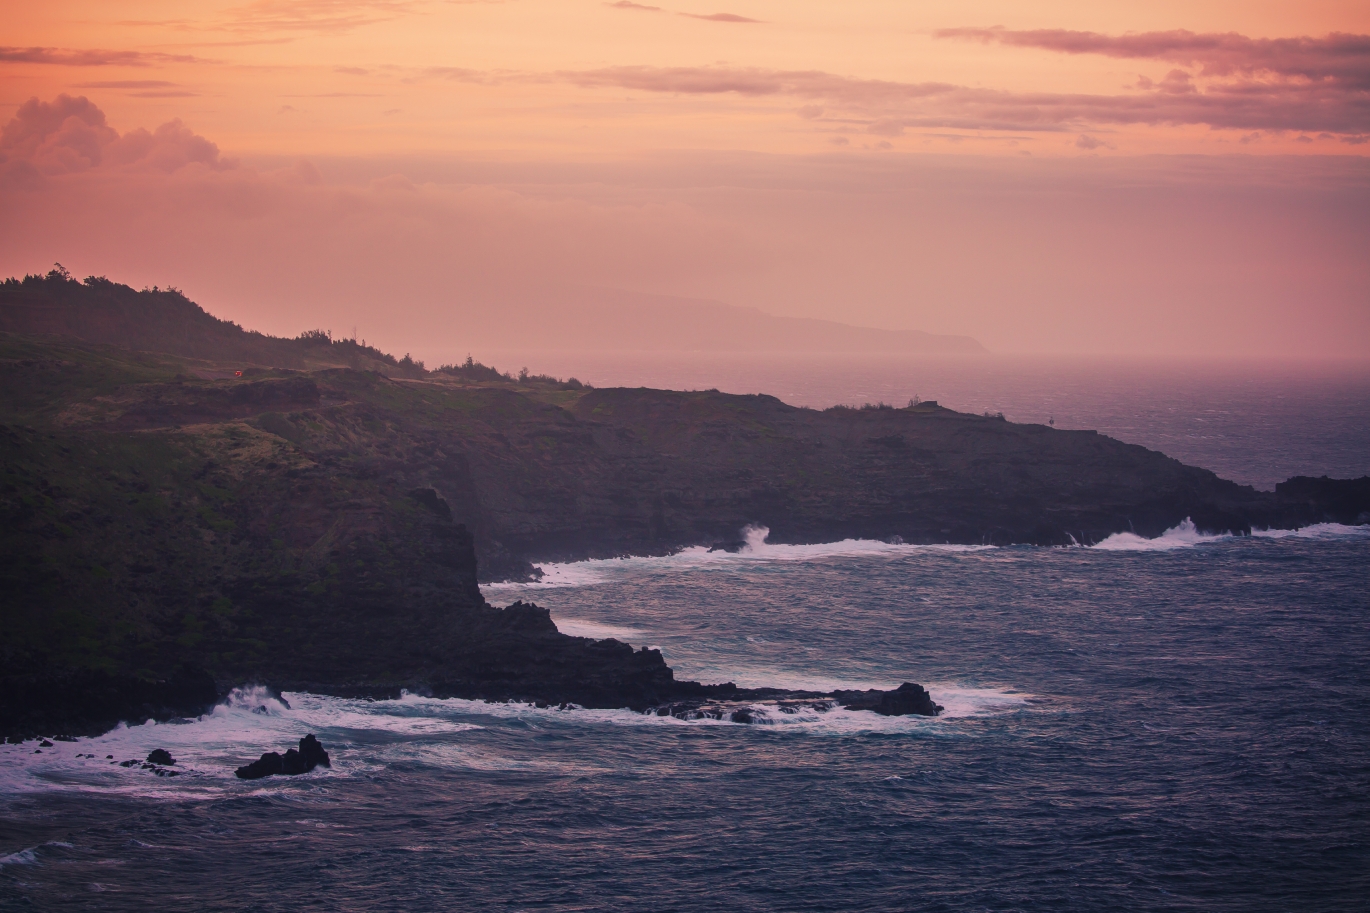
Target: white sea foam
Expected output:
[23,857]
[756,550]
[364,737]
[208,749]
[1316,531]
[962,701]
[579,627]
[1184,535]
[1187,535]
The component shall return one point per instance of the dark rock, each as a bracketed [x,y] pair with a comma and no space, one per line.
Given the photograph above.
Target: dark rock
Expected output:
[265,766]
[313,753]
[45,744]
[1339,500]
[292,763]
[161,756]
[92,701]
[742,716]
[907,699]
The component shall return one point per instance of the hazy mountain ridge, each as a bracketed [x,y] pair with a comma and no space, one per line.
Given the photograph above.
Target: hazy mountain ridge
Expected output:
[614,320]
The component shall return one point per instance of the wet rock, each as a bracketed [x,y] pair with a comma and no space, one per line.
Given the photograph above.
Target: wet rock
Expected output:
[908,699]
[292,763]
[313,752]
[310,754]
[267,765]
[161,756]
[45,744]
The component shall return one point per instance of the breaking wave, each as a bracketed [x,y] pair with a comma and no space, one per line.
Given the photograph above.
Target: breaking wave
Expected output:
[1183,535]
[365,737]
[1316,531]
[754,550]
[1187,535]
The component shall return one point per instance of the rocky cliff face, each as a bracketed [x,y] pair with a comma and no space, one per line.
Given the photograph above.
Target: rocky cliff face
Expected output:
[145,525]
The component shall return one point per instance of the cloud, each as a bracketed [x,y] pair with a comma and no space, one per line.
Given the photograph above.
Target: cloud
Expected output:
[128,84]
[317,15]
[1196,254]
[76,57]
[1285,105]
[1090,143]
[629,5]
[1337,57]
[70,135]
[720,17]
[459,74]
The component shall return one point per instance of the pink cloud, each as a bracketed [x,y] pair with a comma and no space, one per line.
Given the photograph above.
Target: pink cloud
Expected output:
[1243,105]
[70,57]
[1249,254]
[70,134]
[720,17]
[1340,58]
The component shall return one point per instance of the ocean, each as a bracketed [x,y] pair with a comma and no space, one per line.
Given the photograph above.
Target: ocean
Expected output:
[1180,723]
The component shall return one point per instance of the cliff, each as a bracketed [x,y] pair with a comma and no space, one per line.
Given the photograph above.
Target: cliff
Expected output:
[322,529]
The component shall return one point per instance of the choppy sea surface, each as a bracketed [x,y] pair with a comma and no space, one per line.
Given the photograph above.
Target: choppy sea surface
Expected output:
[1172,724]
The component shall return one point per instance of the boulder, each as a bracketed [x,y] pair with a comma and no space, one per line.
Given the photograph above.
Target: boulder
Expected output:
[161,756]
[267,765]
[292,763]
[310,754]
[313,753]
[907,699]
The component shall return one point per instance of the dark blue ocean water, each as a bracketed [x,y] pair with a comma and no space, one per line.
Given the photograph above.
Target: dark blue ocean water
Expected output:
[1133,729]
[1176,724]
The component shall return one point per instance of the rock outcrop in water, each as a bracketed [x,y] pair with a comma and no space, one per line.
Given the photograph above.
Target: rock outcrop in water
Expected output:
[751,705]
[310,755]
[258,510]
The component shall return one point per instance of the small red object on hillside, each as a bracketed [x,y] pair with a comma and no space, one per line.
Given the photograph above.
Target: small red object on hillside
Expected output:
[237,373]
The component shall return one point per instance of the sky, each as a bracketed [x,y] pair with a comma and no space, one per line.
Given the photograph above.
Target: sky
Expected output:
[1139,179]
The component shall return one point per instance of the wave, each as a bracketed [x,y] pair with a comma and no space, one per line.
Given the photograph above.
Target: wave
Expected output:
[1187,535]
[30,855]
[1183,535]
[755,550]
[249,721]
[580,627]
[366,737]
[1316,531]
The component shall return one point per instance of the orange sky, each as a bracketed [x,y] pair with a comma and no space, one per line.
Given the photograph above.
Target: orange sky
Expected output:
[1165,178]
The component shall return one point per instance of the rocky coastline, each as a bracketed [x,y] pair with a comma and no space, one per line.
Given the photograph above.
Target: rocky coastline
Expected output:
[173,524]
